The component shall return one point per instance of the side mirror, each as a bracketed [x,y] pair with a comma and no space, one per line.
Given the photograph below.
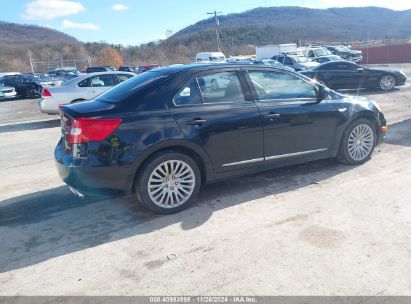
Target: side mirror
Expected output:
[323,93]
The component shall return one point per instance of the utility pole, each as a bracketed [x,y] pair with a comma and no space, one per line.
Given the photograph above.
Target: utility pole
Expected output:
[217,24]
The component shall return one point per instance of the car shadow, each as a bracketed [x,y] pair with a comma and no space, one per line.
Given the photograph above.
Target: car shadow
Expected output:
[47,224]
[35,125]
[399,134]
[40,226]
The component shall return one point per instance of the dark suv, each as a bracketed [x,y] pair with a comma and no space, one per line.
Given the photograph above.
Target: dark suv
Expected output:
[164,133]
[345,52]
[99,69]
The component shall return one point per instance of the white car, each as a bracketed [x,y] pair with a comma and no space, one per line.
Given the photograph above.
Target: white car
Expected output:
[81,88]
[7,92]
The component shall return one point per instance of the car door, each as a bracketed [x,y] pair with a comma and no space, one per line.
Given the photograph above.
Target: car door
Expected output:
[294,123]
[93,86]
[343,75]
[216,110]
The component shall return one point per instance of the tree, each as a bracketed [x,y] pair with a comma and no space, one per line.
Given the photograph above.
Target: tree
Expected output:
[109,56]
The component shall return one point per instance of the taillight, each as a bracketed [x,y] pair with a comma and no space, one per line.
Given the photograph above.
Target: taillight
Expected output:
[83,130]
[45,93]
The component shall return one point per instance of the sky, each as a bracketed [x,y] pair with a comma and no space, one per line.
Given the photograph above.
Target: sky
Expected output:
[131,22]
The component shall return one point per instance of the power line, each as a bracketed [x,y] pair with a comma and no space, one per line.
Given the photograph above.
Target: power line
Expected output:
[217,24]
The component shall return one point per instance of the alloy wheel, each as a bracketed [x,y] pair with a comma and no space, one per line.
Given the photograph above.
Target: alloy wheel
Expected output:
[387,82]
[171,184]
[361,142]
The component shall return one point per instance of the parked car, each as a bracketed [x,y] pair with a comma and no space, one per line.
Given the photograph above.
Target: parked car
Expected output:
[80,89]
[99,69]
[315,52]
[163,134]
[327,58]
[349,75]
[43,79]
[210,57]
[146,67]
[273,63]
[298,63]
[25,85]
[128,68]
[345,52]
[7,92]
[61,76]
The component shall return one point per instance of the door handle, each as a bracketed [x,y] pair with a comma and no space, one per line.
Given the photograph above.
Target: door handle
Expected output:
[196,122]
[273,115]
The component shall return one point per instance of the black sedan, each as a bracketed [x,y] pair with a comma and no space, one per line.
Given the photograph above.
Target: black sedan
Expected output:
[348,75]
[163,134]
[26,85]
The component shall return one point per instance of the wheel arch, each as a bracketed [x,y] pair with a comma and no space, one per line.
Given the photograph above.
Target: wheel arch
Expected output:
[196,153]
[365,114]
[77,100]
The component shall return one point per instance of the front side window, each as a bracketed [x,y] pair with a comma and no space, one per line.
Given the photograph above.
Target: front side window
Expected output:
[288,61]
[275,85]
[221,87]
[340,66]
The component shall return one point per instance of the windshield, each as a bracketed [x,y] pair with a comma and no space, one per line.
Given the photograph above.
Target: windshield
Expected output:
[129,87]
[300,59]
[322,52]
[343,47]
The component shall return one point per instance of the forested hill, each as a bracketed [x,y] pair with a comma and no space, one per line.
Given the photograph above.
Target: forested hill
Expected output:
[334,24]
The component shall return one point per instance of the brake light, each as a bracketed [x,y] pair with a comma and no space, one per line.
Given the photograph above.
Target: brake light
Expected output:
[45,93]
[85,130]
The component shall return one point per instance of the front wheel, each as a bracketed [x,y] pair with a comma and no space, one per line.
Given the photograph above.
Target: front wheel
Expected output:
[168,182]
[387,83]
[358,142]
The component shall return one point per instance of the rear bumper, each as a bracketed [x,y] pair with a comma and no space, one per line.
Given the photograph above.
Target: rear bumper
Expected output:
[94,179]
[48,106]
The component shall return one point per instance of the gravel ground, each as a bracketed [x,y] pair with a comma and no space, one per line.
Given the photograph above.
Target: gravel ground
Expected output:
[320,228]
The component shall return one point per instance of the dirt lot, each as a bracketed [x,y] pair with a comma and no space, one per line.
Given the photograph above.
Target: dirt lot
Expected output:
[316,229]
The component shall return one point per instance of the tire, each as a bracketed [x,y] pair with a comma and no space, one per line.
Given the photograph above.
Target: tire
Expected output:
[160,191]
[358,142]
[387,82]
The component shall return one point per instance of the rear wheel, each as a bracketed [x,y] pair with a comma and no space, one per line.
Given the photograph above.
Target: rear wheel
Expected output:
[168,182]
[387,82]
[358,142]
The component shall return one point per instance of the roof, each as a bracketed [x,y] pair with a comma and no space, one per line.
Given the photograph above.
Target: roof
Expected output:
[173,69]
[84,76]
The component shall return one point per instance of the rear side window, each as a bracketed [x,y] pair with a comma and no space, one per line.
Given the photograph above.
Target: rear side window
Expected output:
[123,77]
[103,81]
[275,85]
[83,84]
[189,95]
[221,87]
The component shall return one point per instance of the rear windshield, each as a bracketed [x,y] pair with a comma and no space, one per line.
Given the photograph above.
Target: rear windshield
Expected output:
[129,87]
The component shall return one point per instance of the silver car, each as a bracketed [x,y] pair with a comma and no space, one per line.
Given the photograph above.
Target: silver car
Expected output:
[7,92]
[82,88]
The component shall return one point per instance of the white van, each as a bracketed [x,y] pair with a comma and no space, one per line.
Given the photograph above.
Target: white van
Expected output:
[210,57]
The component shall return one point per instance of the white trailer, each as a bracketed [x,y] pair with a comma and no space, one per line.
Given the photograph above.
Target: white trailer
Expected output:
[268,51]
